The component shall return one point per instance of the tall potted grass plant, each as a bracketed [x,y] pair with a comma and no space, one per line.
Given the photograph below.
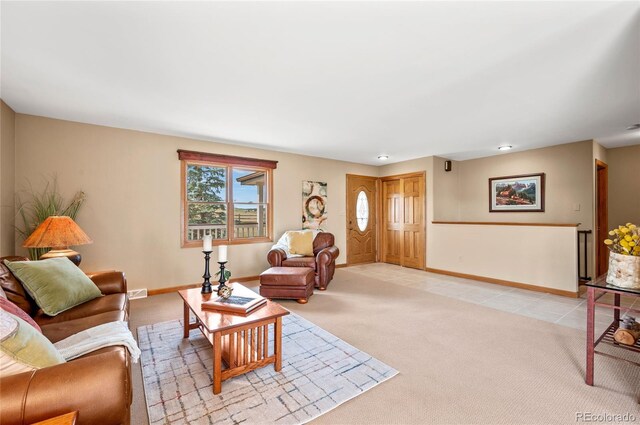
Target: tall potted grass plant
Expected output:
[34,207]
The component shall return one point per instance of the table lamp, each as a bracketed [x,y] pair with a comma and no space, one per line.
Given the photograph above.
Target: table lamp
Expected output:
[58,233]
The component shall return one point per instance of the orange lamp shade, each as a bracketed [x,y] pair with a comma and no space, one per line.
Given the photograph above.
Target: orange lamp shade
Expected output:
[57,232]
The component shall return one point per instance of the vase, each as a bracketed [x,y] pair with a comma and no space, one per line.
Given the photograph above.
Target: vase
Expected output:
[624,270]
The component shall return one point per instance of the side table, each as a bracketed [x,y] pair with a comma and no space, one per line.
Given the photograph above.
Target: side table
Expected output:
[595,290]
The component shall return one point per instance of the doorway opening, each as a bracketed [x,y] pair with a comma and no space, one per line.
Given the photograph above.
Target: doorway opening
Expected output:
[602,217]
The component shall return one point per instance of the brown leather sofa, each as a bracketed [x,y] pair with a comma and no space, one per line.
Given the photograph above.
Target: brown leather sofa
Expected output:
[97,385]
[323,261]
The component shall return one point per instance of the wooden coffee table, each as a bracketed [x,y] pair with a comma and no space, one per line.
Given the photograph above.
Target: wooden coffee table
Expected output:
[241,342]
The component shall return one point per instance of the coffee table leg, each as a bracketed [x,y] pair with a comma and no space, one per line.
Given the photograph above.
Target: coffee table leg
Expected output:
[217,362]
[186,321]
[277,344]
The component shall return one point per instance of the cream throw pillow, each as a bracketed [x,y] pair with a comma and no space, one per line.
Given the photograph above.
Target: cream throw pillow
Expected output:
[301,243]
[22,348]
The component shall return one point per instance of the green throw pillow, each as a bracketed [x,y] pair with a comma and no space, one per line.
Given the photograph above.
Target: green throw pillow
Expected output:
[55,284]
[22,348]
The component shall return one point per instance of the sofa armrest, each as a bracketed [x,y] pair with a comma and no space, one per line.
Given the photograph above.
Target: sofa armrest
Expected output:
[98,387]
[327,256]
[275,257]
[109,282]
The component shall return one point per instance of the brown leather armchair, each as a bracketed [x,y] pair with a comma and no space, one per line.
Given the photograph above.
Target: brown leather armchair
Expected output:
[97,385]
[323,261]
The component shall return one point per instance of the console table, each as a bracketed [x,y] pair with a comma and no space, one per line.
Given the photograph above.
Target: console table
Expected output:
[595,290]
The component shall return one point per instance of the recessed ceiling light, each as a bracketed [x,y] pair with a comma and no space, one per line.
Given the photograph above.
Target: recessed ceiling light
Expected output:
[383,157]
[634,127]
[504,147]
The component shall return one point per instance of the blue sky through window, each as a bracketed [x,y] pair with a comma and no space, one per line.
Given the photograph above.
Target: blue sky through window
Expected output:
[244,193]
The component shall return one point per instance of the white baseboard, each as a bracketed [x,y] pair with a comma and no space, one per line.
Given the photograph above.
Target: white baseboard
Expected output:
[137,293]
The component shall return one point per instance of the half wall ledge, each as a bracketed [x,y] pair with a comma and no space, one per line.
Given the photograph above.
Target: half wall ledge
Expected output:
[507,223]
[536,256]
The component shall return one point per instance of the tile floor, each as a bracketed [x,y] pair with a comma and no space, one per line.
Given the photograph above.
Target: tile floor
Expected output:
[571,312]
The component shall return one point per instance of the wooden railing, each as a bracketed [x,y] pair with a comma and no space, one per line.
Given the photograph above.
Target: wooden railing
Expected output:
[219,231]
[198,232]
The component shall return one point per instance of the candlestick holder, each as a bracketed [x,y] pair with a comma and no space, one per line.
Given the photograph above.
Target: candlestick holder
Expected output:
[223,290]
[206,285]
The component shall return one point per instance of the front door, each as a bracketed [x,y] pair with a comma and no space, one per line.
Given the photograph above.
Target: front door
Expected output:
[361,219]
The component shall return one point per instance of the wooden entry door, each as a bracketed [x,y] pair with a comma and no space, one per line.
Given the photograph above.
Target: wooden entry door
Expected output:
[413,222]
[392,221]
[404,220]
[602,217]
[361,219]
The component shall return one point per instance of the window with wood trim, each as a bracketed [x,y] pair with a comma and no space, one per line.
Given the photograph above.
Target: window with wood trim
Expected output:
[227,197]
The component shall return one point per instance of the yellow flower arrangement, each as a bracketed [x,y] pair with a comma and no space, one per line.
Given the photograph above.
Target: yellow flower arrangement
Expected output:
[625,240]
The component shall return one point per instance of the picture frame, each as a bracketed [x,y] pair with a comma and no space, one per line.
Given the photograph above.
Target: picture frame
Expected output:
[521,193]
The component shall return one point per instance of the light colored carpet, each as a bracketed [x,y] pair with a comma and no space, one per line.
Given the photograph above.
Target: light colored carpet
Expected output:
[458,362]
[319,372]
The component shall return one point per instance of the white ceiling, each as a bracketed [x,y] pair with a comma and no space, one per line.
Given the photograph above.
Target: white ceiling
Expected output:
[339,80]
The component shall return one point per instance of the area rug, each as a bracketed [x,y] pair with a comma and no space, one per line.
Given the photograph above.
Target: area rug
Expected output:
[319,372]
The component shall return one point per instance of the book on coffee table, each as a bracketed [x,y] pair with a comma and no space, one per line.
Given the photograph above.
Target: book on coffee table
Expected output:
[235,304]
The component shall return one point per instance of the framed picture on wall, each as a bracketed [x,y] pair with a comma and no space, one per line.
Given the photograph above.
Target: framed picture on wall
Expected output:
[314,205]
[517,193]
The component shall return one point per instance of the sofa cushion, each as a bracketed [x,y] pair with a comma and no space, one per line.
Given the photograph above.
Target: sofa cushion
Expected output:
[10,307]
[23,348]
[300,262]
[300,242]
[60,330]
[13,288]
[56,284]
[106,303]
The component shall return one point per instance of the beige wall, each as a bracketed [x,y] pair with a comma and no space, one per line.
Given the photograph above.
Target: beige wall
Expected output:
[132,181]
[624,185]
[7,179]
[133,207]
[445,191]
[568,174]
[463,195]
[599,152]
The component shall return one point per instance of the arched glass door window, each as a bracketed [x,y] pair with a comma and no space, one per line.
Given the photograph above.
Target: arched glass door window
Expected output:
[362,211]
